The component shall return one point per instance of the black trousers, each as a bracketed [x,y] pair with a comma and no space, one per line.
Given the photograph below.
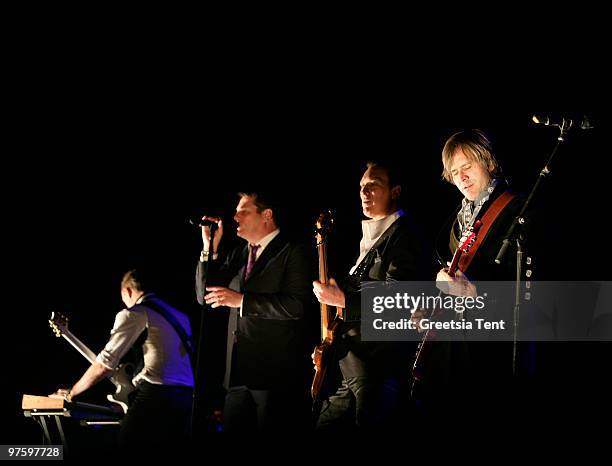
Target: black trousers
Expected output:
[364,403]
[159,418]
[248,411]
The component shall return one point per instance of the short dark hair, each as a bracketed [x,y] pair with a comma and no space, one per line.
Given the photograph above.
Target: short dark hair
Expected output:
[135,280]
[390,167]
[265,200]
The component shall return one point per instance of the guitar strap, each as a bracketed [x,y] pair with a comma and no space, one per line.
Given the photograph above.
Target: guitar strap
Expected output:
[487,221]
[186,339]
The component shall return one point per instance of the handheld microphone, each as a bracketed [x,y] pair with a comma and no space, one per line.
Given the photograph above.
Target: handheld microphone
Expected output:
[198,222]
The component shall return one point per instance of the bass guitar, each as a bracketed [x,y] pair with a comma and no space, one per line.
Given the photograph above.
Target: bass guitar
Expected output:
[121,377]
[323,384]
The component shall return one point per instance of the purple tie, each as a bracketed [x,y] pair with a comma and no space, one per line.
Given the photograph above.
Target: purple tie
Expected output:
[251,261]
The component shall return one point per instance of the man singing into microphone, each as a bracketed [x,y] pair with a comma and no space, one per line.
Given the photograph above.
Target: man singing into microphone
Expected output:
[265,283]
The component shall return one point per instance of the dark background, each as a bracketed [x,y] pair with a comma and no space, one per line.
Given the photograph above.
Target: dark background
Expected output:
[108,170]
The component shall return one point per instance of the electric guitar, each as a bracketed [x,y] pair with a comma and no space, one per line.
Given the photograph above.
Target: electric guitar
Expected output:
[425,345]
[121,377]
[331,317]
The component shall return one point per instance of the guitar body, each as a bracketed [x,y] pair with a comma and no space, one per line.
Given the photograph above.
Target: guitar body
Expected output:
[324,383]
[122,378]
[323,355]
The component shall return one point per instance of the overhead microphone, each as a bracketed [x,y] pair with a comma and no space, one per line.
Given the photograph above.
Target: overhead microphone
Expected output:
[585,123]
[564,123]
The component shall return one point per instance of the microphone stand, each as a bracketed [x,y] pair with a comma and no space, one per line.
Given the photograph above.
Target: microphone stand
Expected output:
[197,385]
[515,235]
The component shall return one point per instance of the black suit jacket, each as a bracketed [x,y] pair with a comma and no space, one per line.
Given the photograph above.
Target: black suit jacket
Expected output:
[398,256]
[478,368]
[265,347]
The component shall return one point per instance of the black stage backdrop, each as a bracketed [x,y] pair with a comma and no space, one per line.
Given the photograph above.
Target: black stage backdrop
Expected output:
[107,182]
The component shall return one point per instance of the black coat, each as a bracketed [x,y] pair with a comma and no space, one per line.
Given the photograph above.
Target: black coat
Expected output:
[477,372]
[398,256]
[265,347]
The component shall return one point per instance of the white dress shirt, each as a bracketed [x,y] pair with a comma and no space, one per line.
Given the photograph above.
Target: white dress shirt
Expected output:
[372,231]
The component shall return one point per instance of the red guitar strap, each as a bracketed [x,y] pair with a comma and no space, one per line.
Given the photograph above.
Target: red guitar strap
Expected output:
[487,221]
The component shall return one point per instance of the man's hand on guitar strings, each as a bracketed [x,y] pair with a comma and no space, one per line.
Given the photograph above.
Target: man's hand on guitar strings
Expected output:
[459,285]
[329,293]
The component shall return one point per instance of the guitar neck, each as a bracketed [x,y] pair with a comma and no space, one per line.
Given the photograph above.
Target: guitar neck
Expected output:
[452,268]
[79,346]
[323,278]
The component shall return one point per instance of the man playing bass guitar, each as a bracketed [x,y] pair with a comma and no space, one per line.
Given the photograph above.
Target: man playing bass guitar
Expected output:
[374,374]
[160,411]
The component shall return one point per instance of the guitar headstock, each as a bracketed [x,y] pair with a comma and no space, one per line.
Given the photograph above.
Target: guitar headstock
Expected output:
[324,225]
[58,323]
[470,239]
